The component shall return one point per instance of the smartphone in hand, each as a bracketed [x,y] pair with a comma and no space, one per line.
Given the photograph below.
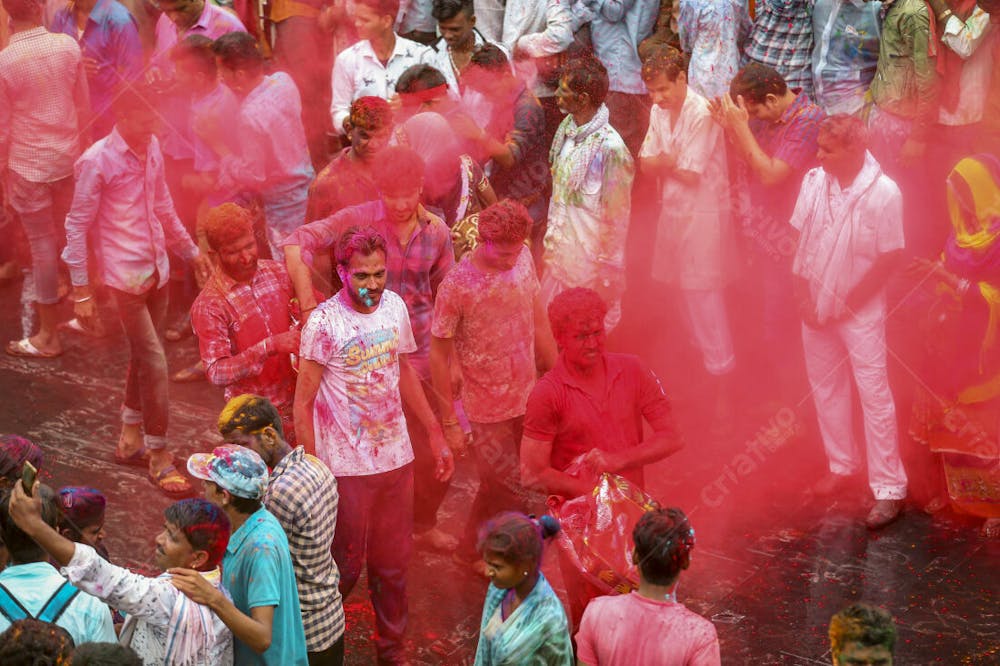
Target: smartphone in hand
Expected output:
[28,476]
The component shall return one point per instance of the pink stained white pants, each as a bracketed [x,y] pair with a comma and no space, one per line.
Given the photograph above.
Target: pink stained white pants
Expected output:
[709,323]
[854,349]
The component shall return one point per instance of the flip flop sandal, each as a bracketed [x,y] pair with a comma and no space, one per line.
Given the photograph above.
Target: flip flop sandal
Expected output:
[24,349]
[170,475]
[76,326]
[139,458]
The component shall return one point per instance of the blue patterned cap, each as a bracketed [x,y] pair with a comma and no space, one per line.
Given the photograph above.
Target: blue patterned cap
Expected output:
[234,468]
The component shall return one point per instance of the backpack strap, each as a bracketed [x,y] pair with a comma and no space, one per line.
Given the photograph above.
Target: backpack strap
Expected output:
[10,607]
[58,602]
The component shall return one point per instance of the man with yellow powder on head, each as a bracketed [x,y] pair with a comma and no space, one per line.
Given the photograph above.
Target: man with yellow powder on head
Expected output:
[302,494]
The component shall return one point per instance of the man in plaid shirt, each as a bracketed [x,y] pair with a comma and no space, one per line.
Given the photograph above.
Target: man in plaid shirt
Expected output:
[782,38]
[773,129]
[418,255]
[243,316]
[302,494]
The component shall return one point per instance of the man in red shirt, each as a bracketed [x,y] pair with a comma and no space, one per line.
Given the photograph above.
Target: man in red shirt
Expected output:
[584,417]
[243,316]
[349,180]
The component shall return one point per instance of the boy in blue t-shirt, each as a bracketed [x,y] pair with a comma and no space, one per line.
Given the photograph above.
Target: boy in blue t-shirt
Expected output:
[257,568]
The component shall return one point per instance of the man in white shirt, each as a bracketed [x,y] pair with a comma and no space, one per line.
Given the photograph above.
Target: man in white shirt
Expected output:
[161,625]
[686,149]
[43,109]
[374,64]
[353,378]
[123,215]
[535,33]
[592,173]
[849,216]
[452,53]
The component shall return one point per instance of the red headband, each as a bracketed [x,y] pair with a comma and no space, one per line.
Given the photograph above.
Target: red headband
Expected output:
[425,95]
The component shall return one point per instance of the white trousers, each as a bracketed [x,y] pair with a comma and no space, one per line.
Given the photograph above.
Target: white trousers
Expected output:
[706,311]
[855,348]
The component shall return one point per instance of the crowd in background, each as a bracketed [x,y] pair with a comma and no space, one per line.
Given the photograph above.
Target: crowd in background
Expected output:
[398,231]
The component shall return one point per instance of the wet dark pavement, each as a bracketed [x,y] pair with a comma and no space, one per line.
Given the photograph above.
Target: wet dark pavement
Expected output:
[771,563]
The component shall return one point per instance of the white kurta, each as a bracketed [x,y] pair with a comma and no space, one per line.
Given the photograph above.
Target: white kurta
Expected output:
[693,238]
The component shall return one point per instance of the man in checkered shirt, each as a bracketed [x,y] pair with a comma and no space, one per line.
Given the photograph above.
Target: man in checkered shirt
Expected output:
[43,109]
[243,315]
[302,494]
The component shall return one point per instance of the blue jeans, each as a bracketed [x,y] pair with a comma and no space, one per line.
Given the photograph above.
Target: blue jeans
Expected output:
[375,526]
[142,316]
[42,208]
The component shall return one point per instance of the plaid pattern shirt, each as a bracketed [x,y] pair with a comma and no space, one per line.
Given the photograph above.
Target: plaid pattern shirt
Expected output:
[234,320]
[302,495]
[415,270]
[42,84]
[782,38]
[792,139]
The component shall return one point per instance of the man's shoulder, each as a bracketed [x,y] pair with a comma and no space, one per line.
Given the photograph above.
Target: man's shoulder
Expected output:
[306,470]
[806,111]
[275,268]
[118,15]
[434,223]
[98,151]
[353,53]
[220,18]
[366,213]
[393,301]
[265,532]
[910,9]
[613,146]
[408,48]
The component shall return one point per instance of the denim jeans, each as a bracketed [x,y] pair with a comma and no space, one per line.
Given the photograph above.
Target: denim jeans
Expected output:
[496,449]
[42,208]
[142,316]
[375,527]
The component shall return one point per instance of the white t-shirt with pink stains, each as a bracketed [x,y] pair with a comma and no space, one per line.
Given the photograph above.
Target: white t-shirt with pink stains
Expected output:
[358,414]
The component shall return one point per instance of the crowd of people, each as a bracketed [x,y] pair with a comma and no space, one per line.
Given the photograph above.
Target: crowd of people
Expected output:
[398,231]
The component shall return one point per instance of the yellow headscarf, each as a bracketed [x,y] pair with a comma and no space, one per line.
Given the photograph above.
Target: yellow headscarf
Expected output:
[974,204]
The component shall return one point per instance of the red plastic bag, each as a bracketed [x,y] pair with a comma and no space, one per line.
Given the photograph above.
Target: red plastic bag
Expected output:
[596,534]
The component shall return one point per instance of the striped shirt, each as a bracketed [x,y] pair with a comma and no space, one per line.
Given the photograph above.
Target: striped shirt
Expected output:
[302,495]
